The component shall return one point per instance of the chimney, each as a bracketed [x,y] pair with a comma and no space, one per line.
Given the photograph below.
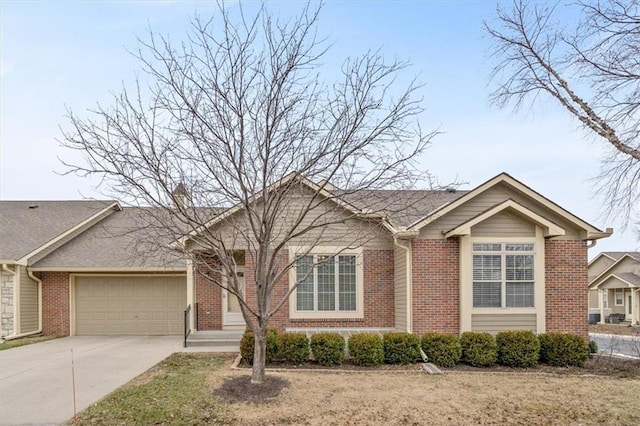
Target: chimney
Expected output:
[181,197]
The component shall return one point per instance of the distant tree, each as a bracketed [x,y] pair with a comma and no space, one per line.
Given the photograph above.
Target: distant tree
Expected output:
[591,69]
[238,115]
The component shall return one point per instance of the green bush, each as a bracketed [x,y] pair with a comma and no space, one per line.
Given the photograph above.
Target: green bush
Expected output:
[293,347]
[593,347]
[563,350]
[400,348]
[478,349]
[442,349]
[328,348]
[518,348]
[366,349]
[247,345]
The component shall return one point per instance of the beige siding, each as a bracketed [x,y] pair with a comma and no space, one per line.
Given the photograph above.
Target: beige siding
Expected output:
[28,302]
[486,201]
[494,323]
[596,268]
[129,305]
[343,228]
[504,224]
[400,297]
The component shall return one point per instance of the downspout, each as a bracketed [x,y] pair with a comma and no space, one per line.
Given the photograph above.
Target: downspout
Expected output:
[409,275]
[591,243]
[39,330]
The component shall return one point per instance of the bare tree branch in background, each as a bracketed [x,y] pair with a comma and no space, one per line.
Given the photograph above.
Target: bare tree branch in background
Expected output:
[239,115]
[592,70]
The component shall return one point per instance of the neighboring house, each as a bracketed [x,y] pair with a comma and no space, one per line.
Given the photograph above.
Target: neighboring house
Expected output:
[614,287]
[500,256]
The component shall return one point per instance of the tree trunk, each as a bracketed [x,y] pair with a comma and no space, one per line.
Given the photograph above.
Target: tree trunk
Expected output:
[259,355]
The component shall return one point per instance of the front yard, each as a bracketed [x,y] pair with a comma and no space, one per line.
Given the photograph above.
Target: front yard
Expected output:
[182,390]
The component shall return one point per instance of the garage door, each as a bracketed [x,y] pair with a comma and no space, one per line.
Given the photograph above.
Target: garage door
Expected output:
[113,305]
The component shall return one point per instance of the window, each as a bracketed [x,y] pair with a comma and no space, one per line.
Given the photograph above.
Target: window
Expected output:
[326,283]
[619,298]
[605,299]
[503,275]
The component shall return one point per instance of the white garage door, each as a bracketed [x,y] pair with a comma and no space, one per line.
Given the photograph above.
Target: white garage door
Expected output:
[128,305]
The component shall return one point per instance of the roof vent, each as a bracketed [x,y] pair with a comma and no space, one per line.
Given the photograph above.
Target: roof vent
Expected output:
[451,190]
[34,206]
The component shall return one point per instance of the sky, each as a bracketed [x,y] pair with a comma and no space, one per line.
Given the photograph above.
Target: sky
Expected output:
[74,54]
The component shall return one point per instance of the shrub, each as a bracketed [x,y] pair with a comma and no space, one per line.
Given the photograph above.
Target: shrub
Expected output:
[593,347]
[247,345]
[366,349]
[442,349]
[293,347]
[328,348]
[518,348]
[400,348]
[563,350]
[478,349]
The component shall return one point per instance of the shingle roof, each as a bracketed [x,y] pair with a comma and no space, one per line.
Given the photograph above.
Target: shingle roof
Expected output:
[629,277]
[403,207]
[28,225]
[124,239]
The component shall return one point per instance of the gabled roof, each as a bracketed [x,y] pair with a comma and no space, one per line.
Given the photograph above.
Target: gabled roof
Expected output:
[403,207]
[321,190]
[550,228]
[592,232]
[28,227]
[122,241]
[610,270]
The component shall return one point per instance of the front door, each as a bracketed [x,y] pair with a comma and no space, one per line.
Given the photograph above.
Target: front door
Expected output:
[231,313]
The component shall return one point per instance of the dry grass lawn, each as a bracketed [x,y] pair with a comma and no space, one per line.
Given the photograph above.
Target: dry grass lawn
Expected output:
[320,398]
[615,329]
[187,389]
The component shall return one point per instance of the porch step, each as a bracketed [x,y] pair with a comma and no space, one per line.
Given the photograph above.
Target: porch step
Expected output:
[219,340]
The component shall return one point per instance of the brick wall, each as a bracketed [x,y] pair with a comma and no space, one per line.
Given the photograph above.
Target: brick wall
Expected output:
[208,297]
[566,287]
[55,303]
[436,286]
[378,295]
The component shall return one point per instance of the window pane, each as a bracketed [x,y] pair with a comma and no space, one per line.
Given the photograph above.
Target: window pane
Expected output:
[519,295]
[347,280]
[519,267]
[519,247]
[486,295]
[487,268]
[487,247]
[326,283]
[304,278]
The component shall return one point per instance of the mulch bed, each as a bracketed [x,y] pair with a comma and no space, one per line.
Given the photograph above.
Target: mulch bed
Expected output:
[240,389]
[602,366]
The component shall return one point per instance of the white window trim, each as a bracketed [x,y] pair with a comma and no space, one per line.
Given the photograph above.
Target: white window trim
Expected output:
[466,280]
[615,296]
[503,266]
[329,251]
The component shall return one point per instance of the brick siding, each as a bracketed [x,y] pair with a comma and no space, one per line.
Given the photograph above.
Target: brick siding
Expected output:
[566,287]
[55,303]
[378,295]
[436,286]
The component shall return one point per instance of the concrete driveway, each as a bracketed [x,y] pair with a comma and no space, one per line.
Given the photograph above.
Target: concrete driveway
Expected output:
[36,380]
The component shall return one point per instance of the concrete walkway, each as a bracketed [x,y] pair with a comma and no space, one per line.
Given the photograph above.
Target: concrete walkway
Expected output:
[36,380]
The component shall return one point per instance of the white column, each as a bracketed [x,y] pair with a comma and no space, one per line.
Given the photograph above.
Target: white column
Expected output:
[601,295]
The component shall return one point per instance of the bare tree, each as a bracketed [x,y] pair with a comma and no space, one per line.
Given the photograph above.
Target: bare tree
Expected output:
[238,116]
[591,69]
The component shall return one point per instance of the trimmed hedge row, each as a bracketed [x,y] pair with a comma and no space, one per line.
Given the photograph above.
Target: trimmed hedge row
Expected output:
[513,348]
